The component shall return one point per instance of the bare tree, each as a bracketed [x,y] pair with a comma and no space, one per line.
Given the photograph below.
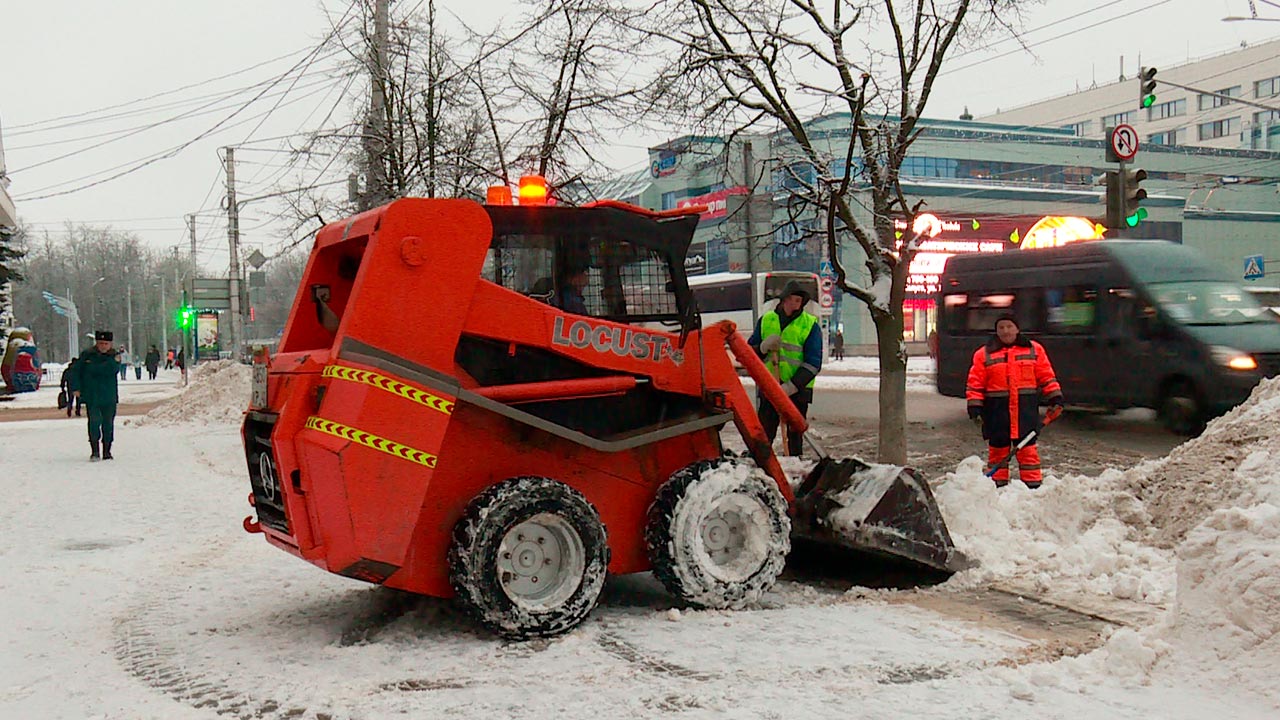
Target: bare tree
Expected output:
[778,64]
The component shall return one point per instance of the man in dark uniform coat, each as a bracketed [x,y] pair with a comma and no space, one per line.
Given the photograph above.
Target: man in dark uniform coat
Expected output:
[97,374]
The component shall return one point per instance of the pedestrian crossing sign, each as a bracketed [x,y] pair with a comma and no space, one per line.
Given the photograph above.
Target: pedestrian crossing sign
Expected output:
[1254,267]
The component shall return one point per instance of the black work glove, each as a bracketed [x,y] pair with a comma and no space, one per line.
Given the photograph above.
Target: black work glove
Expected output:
[975,414]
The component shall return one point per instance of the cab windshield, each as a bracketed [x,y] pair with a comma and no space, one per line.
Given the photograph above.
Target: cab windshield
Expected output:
[1205,302]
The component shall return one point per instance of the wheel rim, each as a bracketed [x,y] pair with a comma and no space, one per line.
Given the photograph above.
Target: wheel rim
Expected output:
[734,537]
[541,562]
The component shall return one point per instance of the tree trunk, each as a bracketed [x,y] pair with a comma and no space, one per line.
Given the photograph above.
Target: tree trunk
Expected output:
[893,389]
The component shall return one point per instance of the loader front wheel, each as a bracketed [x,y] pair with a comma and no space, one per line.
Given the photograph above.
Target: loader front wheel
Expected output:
[528,557]
[718,534]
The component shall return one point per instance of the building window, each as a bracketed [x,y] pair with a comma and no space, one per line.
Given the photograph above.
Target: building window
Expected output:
[1168,137]
[668,200]
[928,167]
[795,176]
[1268,117]
[1080,129]
[1173,108]
[1209,102]
[1267,88]
[1110,121]
[1219,128]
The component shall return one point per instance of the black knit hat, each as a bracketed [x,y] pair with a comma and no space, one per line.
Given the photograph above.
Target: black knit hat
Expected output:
[103,335]
[1006,316]
[793,287]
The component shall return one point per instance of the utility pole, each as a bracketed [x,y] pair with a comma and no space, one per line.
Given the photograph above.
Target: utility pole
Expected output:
[191,231]
[128,294]
[164,319]
[233,239]
[375,140]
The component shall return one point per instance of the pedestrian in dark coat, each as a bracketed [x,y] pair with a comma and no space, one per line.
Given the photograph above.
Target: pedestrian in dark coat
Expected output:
[153,362]
[96,377]
[71,386]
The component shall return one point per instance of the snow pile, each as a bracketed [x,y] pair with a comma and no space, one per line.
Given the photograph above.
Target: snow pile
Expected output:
[217,393]
[1214,470]
[1227,616]
[1217,498]
[1075,533]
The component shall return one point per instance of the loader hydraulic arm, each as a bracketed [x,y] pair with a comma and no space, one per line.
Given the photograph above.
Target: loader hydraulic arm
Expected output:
[766,383]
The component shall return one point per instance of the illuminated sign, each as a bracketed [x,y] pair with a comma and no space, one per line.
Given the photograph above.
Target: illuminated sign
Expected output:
[946,238]
[1057,230]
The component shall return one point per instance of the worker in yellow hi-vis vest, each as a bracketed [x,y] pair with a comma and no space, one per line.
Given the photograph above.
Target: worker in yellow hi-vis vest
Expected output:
[790,342]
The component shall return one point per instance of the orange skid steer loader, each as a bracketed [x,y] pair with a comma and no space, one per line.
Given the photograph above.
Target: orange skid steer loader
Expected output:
[469,400]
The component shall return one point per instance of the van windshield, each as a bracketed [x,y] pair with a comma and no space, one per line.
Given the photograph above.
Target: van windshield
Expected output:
[1205,302]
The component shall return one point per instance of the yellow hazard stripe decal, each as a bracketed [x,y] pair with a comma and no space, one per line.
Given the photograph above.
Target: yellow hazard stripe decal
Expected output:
[395,387]
[367,439]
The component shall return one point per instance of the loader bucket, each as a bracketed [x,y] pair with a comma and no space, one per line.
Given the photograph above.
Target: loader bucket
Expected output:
[883,509]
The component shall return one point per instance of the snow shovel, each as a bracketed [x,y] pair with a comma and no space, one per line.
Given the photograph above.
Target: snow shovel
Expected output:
[1054,413]
[887,510]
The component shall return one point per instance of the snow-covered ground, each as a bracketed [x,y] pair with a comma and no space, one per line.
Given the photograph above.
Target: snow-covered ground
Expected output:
[916,364]
[129,590]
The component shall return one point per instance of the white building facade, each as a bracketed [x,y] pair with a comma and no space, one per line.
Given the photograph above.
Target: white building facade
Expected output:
[1210,118]
[8,216]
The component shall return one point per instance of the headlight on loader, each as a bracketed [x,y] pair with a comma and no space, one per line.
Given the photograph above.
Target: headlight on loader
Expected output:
[1234,359]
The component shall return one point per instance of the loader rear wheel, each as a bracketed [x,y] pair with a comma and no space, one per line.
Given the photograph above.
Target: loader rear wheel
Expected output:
[718,534]
[528,557]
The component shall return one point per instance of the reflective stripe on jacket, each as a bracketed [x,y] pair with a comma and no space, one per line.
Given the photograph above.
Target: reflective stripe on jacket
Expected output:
[1008,383]
[794,335]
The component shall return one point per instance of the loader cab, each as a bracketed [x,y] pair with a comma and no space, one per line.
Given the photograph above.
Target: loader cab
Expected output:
[604,262]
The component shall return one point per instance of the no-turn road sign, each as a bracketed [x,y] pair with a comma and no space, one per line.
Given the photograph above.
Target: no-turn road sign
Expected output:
[1124,141]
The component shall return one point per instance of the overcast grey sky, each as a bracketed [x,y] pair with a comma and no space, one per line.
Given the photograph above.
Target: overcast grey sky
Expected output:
[69,58]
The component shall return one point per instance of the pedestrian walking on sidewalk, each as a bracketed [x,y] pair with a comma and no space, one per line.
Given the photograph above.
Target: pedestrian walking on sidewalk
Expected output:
[1010,377]
[153,362]
[95,378]
[71,386]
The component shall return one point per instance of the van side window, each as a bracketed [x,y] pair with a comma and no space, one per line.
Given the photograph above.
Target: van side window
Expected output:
[955,311]
[1071,310]
[984,310]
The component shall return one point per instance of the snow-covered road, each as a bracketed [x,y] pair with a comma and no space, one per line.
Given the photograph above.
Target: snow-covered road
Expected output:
[129,590]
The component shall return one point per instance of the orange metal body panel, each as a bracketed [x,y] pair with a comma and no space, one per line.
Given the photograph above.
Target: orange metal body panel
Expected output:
[378,450]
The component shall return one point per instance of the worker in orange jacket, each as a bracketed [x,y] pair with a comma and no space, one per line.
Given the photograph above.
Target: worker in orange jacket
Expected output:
[1010,377]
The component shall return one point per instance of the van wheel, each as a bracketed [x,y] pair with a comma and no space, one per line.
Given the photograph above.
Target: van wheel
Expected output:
[718,534]
[528,558]
[1181,410]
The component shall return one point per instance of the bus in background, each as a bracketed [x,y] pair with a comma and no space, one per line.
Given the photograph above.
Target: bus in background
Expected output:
[734,296]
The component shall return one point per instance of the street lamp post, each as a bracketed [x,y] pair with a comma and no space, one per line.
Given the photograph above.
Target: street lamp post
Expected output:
[93,296]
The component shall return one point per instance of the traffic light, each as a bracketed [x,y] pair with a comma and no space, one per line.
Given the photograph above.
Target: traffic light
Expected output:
[186,317]
[1134,213]
[1124,198]
[1147,87]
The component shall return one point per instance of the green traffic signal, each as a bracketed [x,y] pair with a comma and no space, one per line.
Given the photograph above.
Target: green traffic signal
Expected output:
[186,316]
[1147,87]
[1136,217]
